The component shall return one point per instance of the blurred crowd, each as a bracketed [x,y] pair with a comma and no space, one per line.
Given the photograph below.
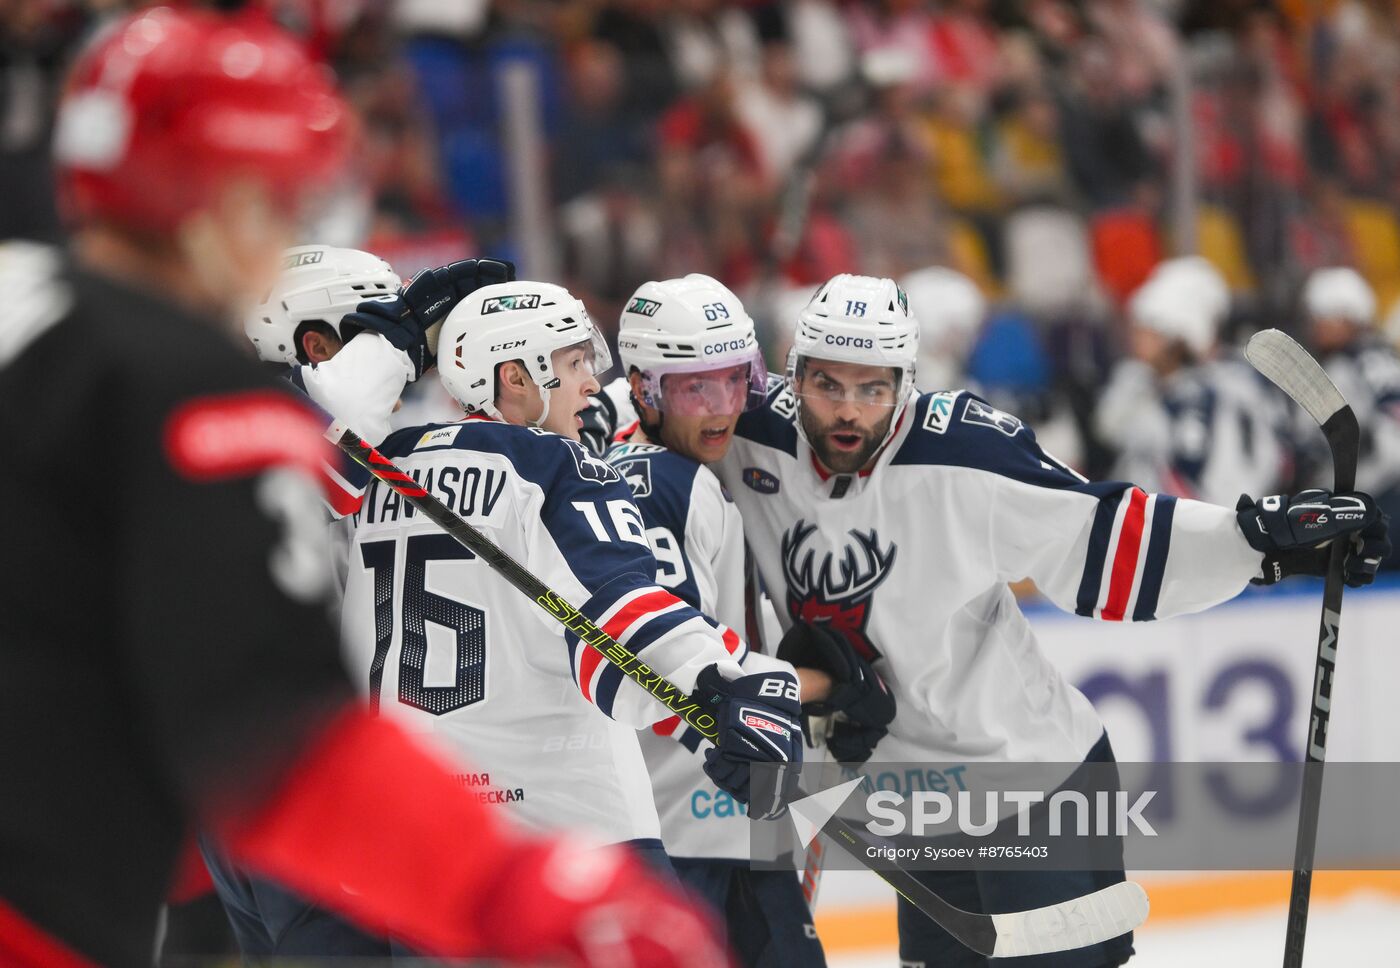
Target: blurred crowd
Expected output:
[1053,152]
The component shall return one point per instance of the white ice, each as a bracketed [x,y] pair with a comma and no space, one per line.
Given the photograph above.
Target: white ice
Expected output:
[1362,931]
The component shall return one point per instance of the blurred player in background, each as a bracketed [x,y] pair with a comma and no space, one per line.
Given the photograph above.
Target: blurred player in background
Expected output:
[1187,415]
[168,665]
[692,366]
[447,647]
[1340,311]
[950,309]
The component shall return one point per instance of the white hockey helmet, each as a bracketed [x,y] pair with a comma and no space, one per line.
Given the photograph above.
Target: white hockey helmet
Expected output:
[318,282]
[859,319]
[690,325]
[523,321]
[1182,303]
[1339,292]
[1199,277]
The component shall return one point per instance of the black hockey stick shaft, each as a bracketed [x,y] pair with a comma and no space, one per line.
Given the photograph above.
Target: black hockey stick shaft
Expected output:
[1341,433]
[1289,366]
[976,931]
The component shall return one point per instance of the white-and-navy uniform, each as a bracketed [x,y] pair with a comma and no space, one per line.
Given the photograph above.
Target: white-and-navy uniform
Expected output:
[1368,375]
[912,559]
[1212,431]
[448,647]
[697,537]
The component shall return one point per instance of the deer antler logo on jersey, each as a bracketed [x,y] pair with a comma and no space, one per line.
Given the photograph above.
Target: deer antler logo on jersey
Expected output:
[818,594]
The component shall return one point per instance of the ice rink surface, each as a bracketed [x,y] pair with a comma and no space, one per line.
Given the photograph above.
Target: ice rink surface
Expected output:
[1359,931]
[1363,932]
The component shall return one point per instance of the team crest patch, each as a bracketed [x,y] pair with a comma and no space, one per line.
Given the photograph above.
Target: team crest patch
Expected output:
[760,480]
[589,468]
[977,412]
[637,473]
[501,304]
[643,307]
[838,587]
[940,411]
[441,437]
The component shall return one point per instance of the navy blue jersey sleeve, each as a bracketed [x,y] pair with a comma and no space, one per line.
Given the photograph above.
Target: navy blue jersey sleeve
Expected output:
[591,539]
[1106,550]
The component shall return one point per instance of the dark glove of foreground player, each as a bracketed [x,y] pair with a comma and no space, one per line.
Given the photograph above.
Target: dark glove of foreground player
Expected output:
[405,317]
[1294,534]
[857,691]
[758,723]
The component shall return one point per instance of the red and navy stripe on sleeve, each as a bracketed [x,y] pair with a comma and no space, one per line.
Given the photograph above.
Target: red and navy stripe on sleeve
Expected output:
[1127,556]
[636,612]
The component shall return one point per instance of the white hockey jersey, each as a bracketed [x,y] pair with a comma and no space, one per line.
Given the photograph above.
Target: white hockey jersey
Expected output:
[1210,432]
[438,640]
[698,540]
[912,559]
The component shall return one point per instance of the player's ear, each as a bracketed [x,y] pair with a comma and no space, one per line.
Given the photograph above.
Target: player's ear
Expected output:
[319,344]
[511,379]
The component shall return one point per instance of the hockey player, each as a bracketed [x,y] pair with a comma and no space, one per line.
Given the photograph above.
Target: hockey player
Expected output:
[692,366]
[1340,309]
[354,365]
[447,647]
[1188,416]
[167,663]
[899,518]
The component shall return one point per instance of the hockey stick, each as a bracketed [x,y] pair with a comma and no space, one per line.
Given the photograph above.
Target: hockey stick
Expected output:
[1297,374]
[1074,923]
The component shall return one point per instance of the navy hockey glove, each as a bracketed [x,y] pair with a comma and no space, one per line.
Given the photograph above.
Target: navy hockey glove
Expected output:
[758,723]
[1294,534]
[857,691]
[408,318]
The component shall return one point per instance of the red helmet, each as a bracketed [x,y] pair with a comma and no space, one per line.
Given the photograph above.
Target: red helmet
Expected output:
[167,106]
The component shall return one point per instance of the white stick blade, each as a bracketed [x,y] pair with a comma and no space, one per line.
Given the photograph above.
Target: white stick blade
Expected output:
[1071,924]
[1279,357]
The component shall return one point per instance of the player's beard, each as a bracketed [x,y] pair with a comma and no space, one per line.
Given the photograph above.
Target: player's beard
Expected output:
[844,461]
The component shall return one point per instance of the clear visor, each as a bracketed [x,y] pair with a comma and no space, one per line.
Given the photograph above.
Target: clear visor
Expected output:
[705,388]
[838,384]
[595,358]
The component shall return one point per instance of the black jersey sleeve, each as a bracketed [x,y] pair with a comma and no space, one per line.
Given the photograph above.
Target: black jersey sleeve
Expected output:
[225,572]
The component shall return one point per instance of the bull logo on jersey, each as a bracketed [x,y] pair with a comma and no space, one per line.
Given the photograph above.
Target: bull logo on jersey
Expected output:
[838,591]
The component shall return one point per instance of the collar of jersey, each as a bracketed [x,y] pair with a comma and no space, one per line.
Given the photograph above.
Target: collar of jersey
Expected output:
[624,434]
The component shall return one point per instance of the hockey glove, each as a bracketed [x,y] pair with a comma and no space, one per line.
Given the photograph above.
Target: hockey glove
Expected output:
[409,318]
[1294,534]
[758,723]
[857,691]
